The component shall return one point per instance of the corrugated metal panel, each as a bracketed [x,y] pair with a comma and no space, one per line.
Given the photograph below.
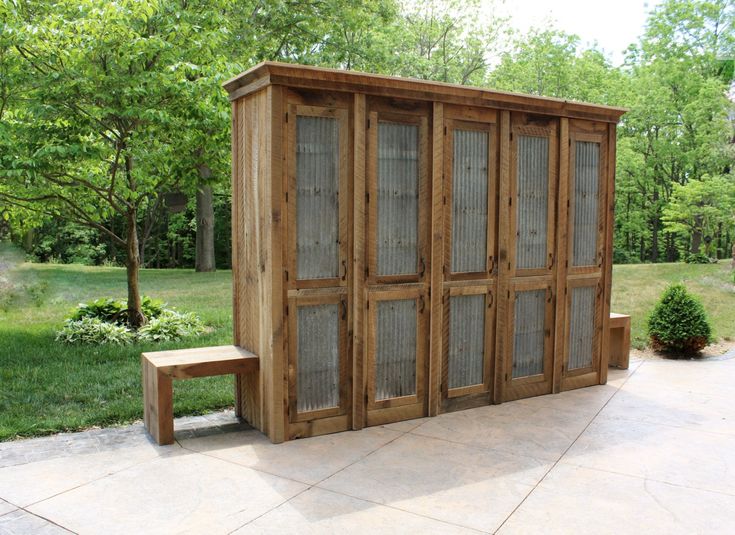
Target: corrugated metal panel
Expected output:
[395,349]
[398,198]
[586,207]
[582,327]
[528,335]
[533,202]
[317,357]
[469,201]
[466,340]
[317,197]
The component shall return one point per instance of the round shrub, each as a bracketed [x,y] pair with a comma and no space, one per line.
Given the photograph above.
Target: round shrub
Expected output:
[679,323]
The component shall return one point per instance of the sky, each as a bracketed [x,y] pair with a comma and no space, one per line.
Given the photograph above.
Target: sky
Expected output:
[613,24]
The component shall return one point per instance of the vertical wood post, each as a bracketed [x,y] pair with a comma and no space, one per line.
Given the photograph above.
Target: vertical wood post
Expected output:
[501,329]
[437,260]
[562,226]
[359,385]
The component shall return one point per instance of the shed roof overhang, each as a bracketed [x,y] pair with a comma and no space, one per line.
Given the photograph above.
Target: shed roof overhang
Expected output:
[319,78]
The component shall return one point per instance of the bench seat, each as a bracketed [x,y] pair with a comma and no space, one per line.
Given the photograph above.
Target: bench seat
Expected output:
[160,368]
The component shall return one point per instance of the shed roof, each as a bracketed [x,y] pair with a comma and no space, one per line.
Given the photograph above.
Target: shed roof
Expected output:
[309,77]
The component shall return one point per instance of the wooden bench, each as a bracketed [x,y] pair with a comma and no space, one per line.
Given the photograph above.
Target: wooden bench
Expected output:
[161,367]
[619,340]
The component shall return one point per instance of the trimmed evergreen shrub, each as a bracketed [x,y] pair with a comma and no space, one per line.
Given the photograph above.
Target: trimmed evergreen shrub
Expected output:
[679,323]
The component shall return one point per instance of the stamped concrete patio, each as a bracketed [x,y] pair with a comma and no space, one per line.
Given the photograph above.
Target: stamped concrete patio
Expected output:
[653,451]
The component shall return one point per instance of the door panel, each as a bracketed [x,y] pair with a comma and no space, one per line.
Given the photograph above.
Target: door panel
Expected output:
[529,359]
[533,196]
[318,357]
[469,199]
[588,168]
[398,198]
[467,358]
[397,359]
[398,195]
[583,332]
[318,203]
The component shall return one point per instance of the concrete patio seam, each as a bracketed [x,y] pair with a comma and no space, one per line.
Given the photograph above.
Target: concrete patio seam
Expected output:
[312,485]
[644,478]
[50,521]
[489,449]
[94,480]
[260,470]
[672,426]
[554,465]
[396,508]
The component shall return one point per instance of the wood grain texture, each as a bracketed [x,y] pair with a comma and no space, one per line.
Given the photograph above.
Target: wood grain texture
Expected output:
[608,254]
[350,81]
[359,398]
[436,350]
[504,260]
[561,253]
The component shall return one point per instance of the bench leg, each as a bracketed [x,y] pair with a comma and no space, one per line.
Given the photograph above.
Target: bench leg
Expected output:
[158,404]
[238,400]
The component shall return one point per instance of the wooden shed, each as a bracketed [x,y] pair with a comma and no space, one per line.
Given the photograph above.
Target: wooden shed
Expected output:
[403,248]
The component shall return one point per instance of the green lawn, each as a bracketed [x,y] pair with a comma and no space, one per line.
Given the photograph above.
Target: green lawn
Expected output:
[47,387]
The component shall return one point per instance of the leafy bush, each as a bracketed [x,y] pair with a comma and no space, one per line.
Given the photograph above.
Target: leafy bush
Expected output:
[679,323]
[88,330]
[698,258]
[104,321]
[171,325]
[116,311]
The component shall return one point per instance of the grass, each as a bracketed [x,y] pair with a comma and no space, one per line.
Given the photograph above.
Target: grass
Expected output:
[48,387]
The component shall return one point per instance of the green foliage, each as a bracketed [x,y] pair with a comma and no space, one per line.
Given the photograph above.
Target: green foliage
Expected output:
[103,321]
[697,258]
[91,330]
[170,326]
[115,311]
[679,323]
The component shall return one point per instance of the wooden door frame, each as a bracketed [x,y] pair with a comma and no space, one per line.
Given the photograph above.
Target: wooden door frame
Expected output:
[341,114]
[473,395]
[539,384]
[450,125]
[544,127]
[381,111]
[588,376]
[600,138]
[406,407]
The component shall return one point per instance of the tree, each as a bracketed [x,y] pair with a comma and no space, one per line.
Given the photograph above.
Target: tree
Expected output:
[678,119]
[701,208]
[107,88]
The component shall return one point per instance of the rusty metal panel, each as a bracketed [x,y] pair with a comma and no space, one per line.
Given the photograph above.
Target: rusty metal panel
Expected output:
[528,333]
[533,202]
[398,198]
[469,201]
[395,349]
[466,340]
[586,202]
[317,357]
[582,327]
[317,197]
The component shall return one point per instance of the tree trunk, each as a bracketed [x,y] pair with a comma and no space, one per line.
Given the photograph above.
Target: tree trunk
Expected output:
[696,235]
[135,312]
[204,225]
[655,221]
